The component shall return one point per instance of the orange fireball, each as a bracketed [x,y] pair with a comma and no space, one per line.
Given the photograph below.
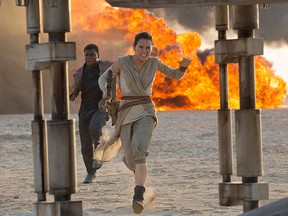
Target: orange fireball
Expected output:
[199,89]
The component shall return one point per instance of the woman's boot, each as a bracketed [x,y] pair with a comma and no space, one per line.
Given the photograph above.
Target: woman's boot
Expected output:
[138,198]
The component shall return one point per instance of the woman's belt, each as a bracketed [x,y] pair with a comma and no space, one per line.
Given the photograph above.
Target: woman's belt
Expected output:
[138,100]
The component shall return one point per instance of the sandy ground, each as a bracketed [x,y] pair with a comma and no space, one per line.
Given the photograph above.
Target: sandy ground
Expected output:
[183,168]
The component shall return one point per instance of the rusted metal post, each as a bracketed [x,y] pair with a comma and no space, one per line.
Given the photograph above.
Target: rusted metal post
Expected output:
[39,129]
[55,165]
[224,113]
[61,129]
[248,118]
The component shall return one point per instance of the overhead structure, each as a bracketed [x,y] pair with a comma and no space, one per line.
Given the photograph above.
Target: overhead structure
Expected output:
[185,3]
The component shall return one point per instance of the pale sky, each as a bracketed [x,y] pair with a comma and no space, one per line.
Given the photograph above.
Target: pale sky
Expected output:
[278,56]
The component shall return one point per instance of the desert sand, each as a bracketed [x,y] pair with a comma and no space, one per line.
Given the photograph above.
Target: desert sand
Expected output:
[183,168]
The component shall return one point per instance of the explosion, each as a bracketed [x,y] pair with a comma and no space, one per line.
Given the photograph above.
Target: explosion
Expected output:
[199,88]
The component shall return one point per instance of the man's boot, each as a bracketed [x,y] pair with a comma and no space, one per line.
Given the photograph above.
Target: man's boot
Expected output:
[138,198]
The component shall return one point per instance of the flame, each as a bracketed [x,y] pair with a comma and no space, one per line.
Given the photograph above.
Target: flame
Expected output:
[199,88]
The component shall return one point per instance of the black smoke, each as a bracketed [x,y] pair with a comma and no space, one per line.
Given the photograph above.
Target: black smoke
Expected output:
[194,18]
[273,24]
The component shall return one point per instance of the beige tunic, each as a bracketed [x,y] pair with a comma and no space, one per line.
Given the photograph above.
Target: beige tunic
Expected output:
[132,82]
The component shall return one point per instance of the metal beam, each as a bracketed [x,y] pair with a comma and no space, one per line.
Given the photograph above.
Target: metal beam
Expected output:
[185,3]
